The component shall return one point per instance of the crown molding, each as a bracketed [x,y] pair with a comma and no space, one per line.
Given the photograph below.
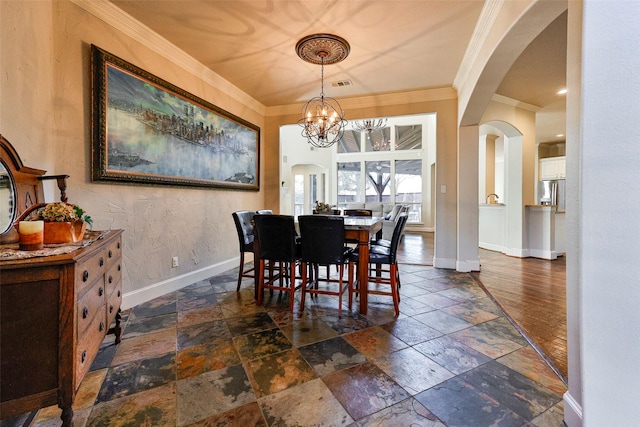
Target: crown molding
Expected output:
[487,18]
[515,103]
[122,21]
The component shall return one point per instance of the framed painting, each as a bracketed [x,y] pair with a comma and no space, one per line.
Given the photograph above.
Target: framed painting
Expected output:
[146,130]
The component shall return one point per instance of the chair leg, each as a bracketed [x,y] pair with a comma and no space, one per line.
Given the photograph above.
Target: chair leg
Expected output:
[340,290]
[303,270]
[260,283]
[351,283]
[292,272]
[241,270]
[394,287]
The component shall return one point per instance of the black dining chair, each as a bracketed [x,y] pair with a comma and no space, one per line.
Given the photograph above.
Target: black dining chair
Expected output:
[278,244]
[323,243]
[385,242]
[244,227]
[381,255]
[358,212]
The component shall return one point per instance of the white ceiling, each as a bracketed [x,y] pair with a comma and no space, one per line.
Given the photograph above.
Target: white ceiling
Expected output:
[396,46]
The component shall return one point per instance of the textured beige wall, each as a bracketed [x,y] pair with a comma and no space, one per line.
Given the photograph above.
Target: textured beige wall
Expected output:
[26,82]
[46,113]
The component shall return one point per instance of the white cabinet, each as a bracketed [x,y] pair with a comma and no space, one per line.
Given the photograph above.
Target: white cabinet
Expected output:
[553,167]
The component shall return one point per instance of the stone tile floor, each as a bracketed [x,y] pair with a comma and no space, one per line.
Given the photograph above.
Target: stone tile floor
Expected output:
[206,355]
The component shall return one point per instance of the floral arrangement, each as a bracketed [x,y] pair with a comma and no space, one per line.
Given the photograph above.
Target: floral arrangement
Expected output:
[63,212]
[323,207]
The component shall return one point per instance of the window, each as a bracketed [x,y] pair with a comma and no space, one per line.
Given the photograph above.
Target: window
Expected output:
[409,137]
[350,142]
[377,140]
[386,163]
[409,187]
[348,182]
[298,195]
[313,193]
[377,181]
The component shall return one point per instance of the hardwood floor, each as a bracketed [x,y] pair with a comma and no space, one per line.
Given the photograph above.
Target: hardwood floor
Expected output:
[531,291]
[416,248]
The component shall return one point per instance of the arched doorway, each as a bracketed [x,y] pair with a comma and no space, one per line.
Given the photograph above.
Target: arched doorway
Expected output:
[501,217]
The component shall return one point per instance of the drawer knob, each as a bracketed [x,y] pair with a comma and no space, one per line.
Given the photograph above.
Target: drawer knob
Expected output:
[101,328]
[118,294]
[83,358]
[100,291]
[119,268]
[85,276]
[110,253]
[110,309]
[85,312]
[101,261]
[110,279]
[118,245]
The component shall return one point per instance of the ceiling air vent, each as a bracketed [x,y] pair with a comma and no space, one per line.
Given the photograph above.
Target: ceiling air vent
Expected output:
[341,83]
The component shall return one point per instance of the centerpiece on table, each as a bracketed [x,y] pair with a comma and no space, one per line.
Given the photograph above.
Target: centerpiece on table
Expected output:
[63,222]
[323,208]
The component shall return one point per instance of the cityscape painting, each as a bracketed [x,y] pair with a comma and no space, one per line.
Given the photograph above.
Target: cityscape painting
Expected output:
[146,130]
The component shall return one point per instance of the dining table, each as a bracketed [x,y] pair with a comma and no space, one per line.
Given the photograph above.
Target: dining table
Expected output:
[356,228]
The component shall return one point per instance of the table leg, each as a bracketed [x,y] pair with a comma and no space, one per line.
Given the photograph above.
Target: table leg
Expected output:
[363,270]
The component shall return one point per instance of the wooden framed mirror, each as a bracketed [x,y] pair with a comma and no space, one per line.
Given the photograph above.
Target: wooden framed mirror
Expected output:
[20,188]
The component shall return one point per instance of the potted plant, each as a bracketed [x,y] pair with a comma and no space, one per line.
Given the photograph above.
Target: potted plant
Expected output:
[63,222]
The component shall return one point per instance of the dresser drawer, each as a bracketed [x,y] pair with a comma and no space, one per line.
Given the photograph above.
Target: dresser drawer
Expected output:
[113,304]
[89,343]
[89,271]
[113,277]
[113,252]
[90,303]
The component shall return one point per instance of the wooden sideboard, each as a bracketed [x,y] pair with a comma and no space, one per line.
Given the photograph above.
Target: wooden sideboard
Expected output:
[54,313]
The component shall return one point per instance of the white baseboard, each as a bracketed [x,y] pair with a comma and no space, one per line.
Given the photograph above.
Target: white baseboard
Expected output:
[539,253]
[467,266]
[517,252]
[139,296]
[492,247]
[418,228]
[444,263]
[572,411]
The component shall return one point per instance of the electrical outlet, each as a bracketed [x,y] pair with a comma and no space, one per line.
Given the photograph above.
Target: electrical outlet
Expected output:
[174,262]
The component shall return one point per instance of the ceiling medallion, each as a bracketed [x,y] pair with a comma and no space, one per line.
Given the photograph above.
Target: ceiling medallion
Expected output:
[322,119]
[324,49]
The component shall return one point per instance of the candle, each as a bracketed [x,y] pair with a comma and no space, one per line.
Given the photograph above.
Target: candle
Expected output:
[31,235]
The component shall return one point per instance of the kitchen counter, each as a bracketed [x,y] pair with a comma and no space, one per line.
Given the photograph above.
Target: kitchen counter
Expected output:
[540,226]
[492,223]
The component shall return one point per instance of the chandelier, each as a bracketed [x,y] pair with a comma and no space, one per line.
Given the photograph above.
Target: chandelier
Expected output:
[322,119]
[369,125]
[378,142]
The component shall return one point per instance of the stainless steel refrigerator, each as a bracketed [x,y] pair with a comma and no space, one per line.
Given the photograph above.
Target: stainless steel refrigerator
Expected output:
[552,192]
